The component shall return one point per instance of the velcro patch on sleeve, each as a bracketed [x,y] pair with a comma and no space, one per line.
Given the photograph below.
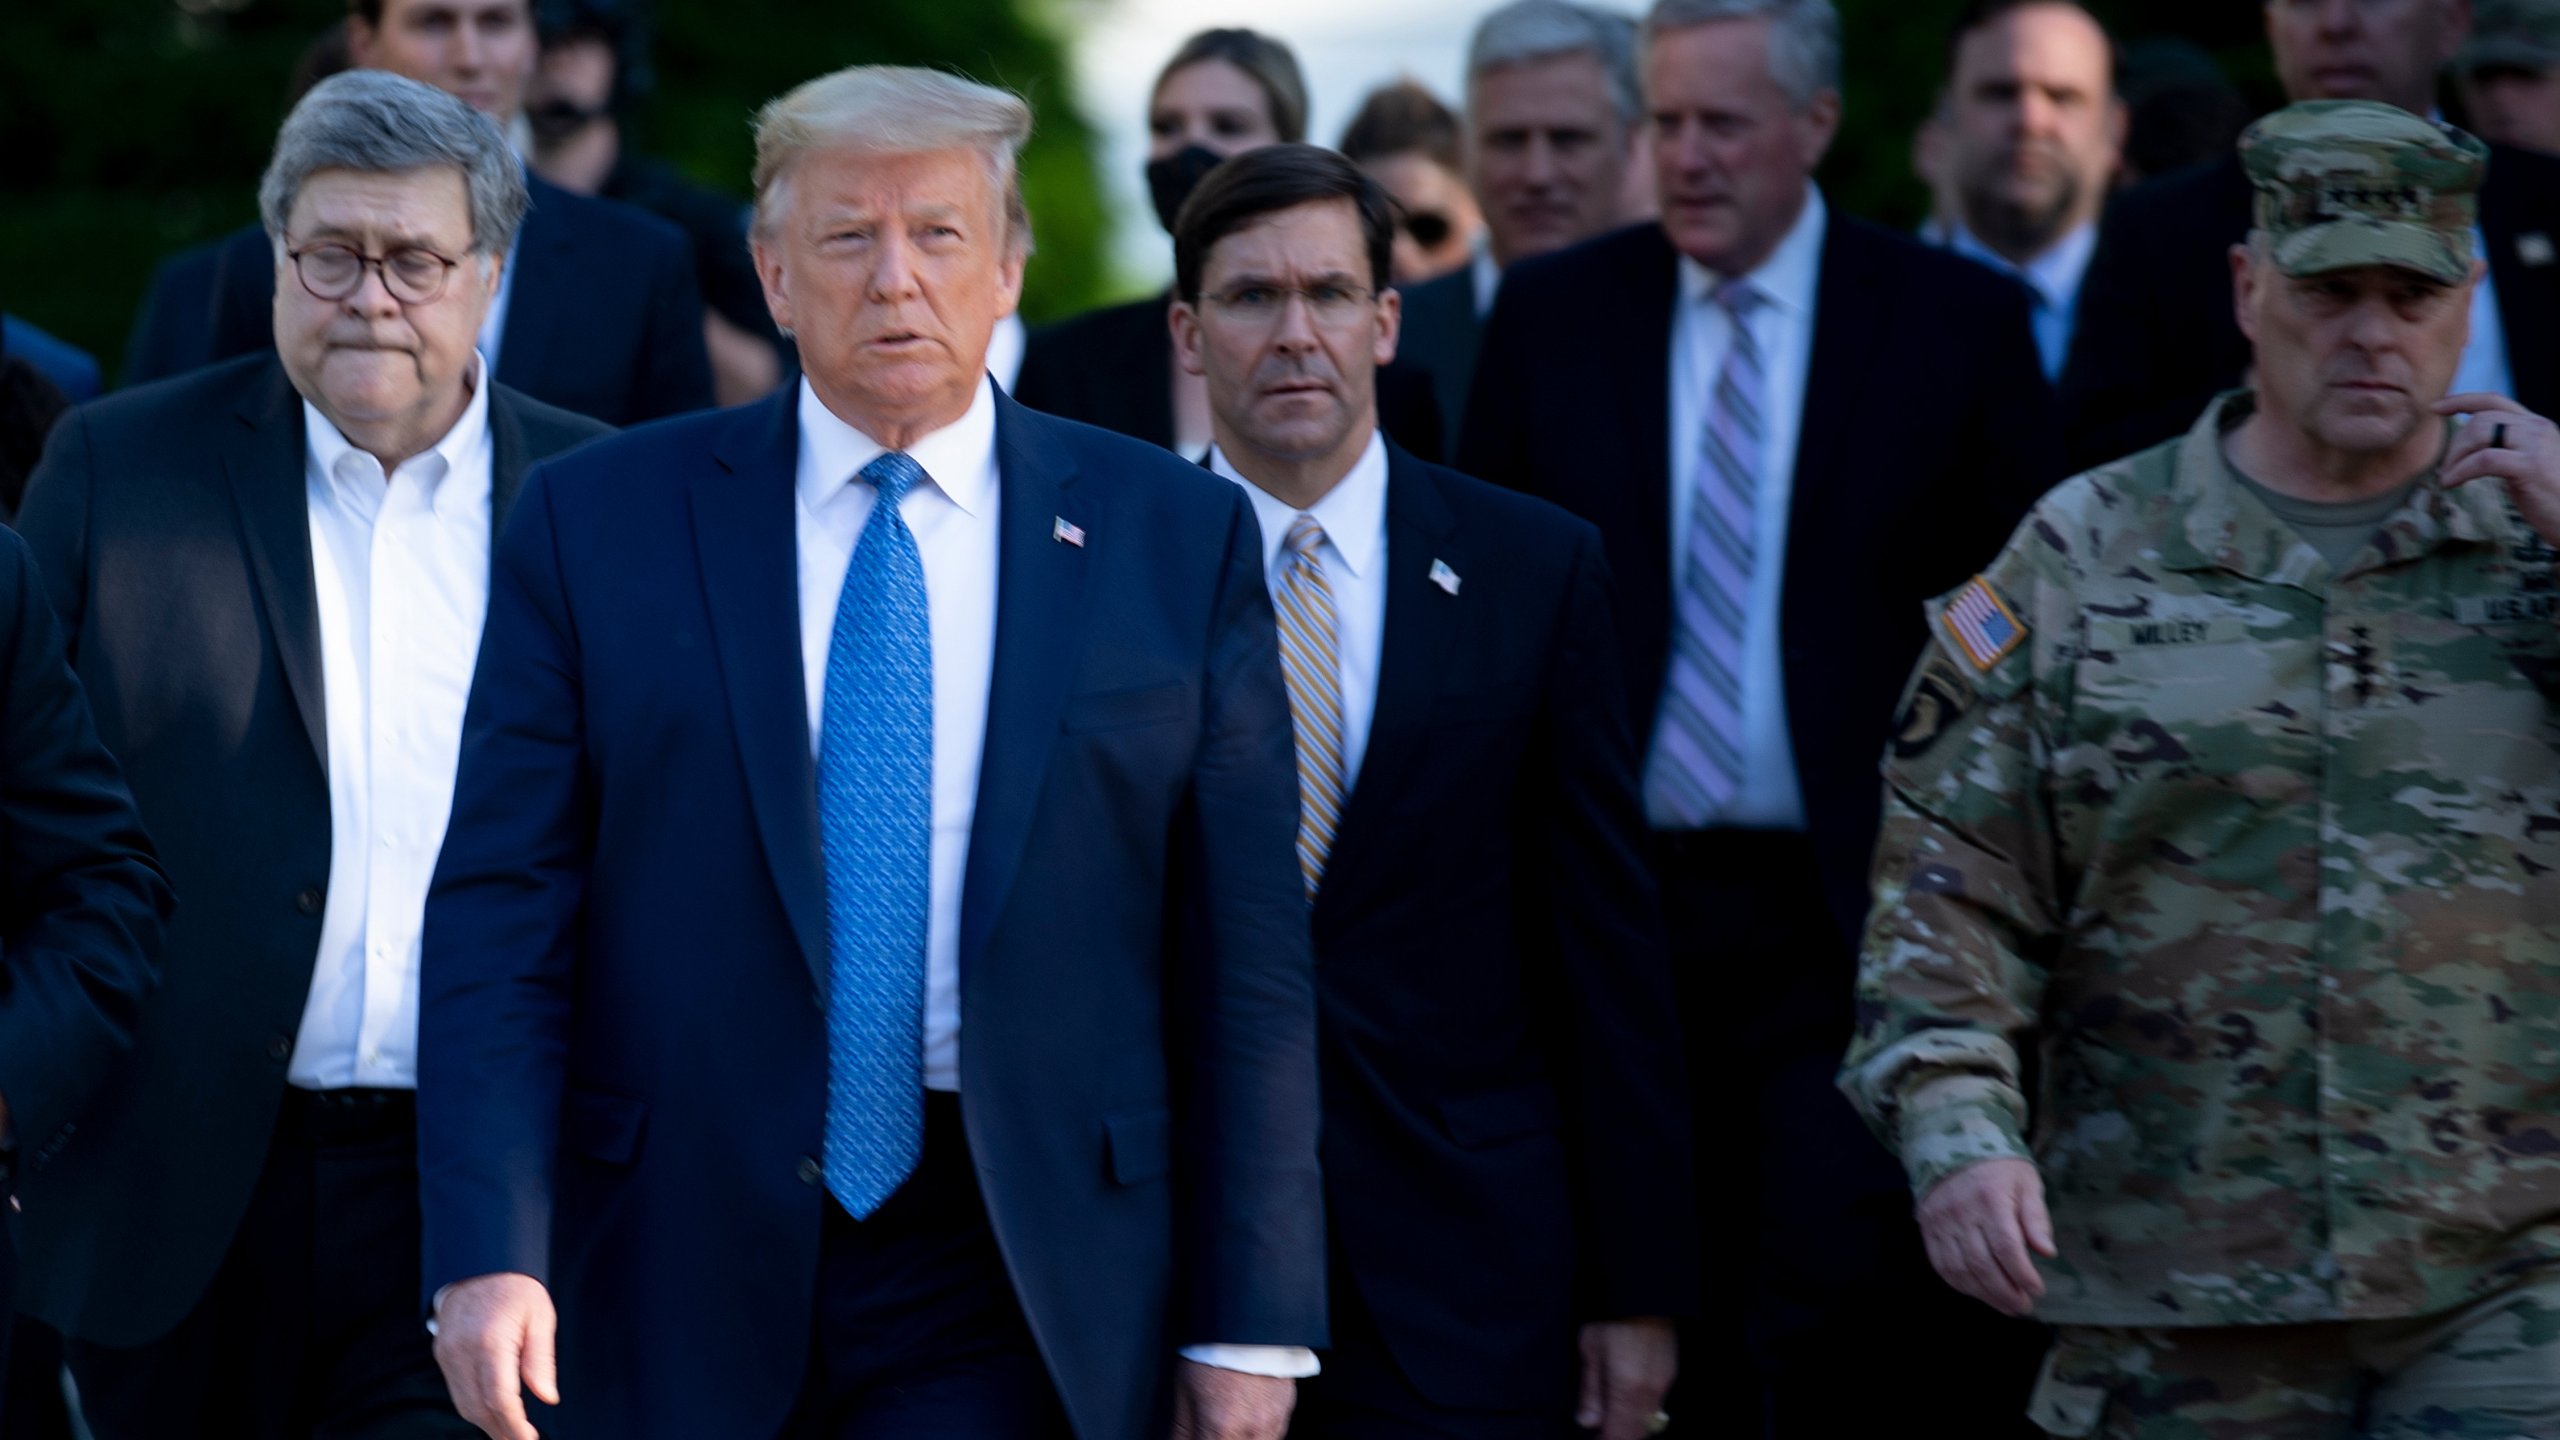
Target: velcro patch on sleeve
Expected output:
[1982,625]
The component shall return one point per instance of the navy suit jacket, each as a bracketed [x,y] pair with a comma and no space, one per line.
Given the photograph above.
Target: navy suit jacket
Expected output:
[174,538]
[1927,432]
[1506,1137]
[604,316]
[1439,338]
[622,1052]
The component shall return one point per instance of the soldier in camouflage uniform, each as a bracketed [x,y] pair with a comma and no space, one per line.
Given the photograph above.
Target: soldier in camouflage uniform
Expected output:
[2231,792]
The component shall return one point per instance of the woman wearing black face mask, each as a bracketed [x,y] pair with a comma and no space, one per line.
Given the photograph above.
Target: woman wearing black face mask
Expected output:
[1223,93]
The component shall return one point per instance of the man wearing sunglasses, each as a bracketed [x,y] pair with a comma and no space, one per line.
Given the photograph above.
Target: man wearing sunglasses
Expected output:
[272,575]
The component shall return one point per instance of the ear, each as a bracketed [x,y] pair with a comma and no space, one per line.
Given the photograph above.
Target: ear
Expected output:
[1183,318]
[2119,124]
[1390,327]
[1009,281]
[2245,280]
[1819,123]
[362,41]
[771,274]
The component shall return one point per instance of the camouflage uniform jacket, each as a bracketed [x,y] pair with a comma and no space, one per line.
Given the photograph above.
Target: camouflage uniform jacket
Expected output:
[2265,864]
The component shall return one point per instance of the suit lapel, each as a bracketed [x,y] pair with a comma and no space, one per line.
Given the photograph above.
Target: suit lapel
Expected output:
[264,457]
[1423,621]
[1040,588]
[746,539]
[546,263]
[507,461]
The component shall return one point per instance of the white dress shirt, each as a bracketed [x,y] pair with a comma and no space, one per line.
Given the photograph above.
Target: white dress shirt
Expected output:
[954,520]
[1353,515]
[400,571]
[1485,274]
[1701,333]
[2053,285]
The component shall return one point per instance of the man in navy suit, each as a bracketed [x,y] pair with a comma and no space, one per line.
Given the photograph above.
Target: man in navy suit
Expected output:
[1506,1133]
[1792,428]
[867,987]
[599,313]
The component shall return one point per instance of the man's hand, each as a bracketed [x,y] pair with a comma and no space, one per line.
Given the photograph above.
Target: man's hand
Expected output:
[1214,1404]
[1627,1367]
[494,1338]
[2504,441]
[1979,1224]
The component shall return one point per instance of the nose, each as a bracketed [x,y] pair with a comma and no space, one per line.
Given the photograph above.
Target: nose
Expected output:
[893,273]
[372,297]
[2036,112]
[2339,17]
[1295,333]
[470,52]
[1540,167]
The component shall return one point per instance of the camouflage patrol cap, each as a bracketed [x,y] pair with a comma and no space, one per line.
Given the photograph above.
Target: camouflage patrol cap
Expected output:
[2524,34]
[2344,183]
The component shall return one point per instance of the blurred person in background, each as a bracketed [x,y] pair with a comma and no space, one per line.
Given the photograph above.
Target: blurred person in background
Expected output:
[1553,113]
[2508,74]
[271,574]
[1409,143]
[2157,336]
[2033,131]
[598,312]
[1224,92]
[579,107]
[1792,429]
[2180,109]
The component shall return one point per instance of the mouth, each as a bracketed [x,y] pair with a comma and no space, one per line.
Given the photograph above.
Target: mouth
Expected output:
[1292,389]
[2343,79]
[898,341]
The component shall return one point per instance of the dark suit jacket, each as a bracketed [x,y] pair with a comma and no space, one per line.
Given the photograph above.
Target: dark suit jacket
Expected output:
[172,531]
[1441,331]
[1927,432]
[2157,339]
[1113,367]
[623,1053]
[604,316]
[1506,1136]
[82,901]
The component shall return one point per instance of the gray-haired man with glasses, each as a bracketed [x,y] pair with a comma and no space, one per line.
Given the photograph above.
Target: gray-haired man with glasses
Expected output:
[272,575]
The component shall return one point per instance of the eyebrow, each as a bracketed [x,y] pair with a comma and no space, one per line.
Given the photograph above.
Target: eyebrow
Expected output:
[1273,282]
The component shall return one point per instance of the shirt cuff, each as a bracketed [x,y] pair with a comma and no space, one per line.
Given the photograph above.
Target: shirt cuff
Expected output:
[1279,1362]
[1958,1122]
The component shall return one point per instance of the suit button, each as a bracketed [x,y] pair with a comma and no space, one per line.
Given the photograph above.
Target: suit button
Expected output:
[279,1047]
[308,902]
[810,1171]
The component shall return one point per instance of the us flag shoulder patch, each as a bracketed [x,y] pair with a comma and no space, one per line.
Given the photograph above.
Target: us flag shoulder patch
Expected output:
[1982,624]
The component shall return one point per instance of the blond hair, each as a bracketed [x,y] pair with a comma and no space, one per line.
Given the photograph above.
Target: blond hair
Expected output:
[894,110]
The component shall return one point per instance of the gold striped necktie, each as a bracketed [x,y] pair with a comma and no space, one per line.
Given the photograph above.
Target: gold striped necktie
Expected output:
[1313,667]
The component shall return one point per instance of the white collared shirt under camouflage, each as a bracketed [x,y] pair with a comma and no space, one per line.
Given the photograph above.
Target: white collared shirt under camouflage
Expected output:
[2262,862]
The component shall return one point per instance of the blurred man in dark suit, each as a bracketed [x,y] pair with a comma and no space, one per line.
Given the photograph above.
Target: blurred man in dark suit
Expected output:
[2157,338]
[272,574]
[1505,1136]
[1552,120]
[956,732]
[1791,429]
[598,311]
[2508,74]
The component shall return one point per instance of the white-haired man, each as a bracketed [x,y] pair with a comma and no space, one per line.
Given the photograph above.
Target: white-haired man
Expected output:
[867,984]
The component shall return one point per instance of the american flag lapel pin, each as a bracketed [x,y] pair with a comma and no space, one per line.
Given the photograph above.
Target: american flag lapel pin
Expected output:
[1444,577]
[1067,533]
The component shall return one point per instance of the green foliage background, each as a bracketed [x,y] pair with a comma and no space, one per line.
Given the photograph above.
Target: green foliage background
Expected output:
[131,128]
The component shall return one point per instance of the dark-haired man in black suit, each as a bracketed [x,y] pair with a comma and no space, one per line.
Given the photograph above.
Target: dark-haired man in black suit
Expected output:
[1505,1147]
[2157,338]
[271,574]
[598,312]
[1791,429]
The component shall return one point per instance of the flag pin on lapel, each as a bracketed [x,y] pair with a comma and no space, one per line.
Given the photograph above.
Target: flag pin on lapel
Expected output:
[1067,533]
[1444,577]
[2536,249]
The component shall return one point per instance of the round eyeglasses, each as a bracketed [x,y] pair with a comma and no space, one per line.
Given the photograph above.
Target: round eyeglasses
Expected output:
[413,274]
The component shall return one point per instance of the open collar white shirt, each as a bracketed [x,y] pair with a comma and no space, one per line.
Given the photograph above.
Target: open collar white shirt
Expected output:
[954,519]
[2053,285]
[400,571]
[1790,281]
[1353,516]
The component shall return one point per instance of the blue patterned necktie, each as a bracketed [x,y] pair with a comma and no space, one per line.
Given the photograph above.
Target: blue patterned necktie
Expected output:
[1696,764]
[875,821]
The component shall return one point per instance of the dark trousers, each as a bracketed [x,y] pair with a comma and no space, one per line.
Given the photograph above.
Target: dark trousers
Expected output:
[1823,1317]
[1363,1394]
[918,1333]
[312,1329]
